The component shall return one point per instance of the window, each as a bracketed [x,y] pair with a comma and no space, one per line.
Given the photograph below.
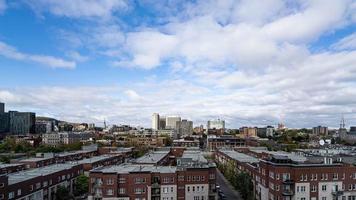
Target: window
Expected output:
[271,174]
[122,191]
[18,192]
[31,187]
[166,180]
[140,190]
[38,185]
[302,188]
[110,181]
[122,180]
[11,195]
[45,183]
[181,178]
[140,180]
[188,188]
[202,178]
[313,188]
[211,176]
[335,176]
[109,192]
[323,198]
[323,187]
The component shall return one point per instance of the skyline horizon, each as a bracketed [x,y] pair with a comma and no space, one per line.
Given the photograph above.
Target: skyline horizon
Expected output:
[147,124]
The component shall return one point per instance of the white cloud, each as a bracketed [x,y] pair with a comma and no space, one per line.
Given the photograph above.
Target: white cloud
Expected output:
[348,42]
[50,61]
[78,8]
[77,56]
[3,6]
[246,61]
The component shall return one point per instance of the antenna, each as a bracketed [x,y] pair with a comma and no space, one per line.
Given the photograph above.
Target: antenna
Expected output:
[342,123]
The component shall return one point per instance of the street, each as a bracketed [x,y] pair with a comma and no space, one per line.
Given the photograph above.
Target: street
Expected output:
[226,188]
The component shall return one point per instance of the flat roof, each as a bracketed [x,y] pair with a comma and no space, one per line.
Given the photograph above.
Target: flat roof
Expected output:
[241,157]
[194,155]
[42,171]
[152,157]
[94,159]
[132,168]
[4,165]
[35,159]
[292,156]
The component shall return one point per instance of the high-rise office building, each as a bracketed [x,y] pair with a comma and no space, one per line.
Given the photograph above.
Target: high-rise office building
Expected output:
[184,127]
[171,122]
[22,123]
[216,124]
[162,122]
[2,107]
[320,130]
[4,119]
[155,121]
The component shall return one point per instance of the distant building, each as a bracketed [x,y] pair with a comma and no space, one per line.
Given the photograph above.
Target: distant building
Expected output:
[22,123]
[184,127]
[155,121]
[352,130]
[162,122]
[265,131]
[43,127]
[2,107]
[216,124]
[320,130]
[4,122]
[171,121]
[55,139]
[248,131]
[172,133]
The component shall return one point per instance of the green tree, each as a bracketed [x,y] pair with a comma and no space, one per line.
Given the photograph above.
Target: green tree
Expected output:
[244,185]
[63,193]
[81,185]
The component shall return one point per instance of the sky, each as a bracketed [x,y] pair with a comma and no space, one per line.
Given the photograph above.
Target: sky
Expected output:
[249,62]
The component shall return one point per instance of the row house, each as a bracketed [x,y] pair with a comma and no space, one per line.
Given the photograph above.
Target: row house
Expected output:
[40,183]
[290,177]
[149,182]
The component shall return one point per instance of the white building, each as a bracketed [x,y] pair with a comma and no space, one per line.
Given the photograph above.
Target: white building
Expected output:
[155,121]
[171,122]
[217,124]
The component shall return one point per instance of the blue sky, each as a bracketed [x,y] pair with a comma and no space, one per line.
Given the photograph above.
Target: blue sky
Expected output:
[249,62]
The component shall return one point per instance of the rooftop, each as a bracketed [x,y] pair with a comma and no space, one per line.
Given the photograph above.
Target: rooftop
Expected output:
[94,159]
[33,173]
[152,157]
[131,168]
[293,156]
[241,157]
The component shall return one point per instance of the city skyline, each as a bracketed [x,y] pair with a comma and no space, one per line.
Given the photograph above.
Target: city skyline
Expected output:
[247,62]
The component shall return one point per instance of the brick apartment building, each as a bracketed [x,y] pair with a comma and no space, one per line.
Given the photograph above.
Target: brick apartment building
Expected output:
[192,179]
[286,176]
[39,183]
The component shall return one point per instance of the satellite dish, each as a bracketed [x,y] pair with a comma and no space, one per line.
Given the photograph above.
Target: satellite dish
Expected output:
[321,142]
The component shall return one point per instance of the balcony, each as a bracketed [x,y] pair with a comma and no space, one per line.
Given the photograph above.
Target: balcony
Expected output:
[337,193]
[287,193]
[288,182]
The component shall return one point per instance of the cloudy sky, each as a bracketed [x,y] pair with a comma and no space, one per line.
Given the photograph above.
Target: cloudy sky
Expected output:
[250,62]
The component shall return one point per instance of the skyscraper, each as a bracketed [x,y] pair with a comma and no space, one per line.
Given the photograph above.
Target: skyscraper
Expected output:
[155,121]
[171,121]
[185,127]
[2,107]
[162,122]
[22,123]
